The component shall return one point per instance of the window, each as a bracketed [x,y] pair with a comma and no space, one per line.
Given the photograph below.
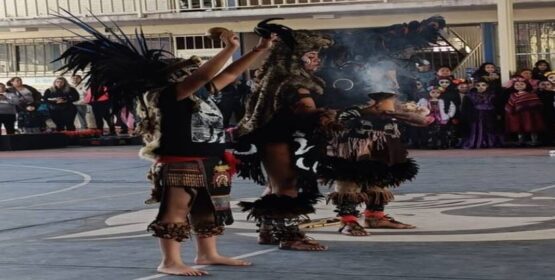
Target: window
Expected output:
[197,42]
[534,41]
[34,57]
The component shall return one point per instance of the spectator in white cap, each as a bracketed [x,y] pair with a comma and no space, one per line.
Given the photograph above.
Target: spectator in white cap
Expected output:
[425,72]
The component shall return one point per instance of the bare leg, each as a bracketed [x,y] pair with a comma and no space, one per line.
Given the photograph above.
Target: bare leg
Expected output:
[283,182]
[207,254]
[178,208]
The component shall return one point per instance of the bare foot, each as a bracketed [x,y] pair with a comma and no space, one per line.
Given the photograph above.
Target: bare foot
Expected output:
[220,260]
[180,269]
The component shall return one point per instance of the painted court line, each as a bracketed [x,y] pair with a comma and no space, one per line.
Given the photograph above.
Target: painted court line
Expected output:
[256,253]
[74,200]
[543,189]
[86,180]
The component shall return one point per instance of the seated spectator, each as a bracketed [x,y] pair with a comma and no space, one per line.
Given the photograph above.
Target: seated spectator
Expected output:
[8,102]
[540,68]
[60,97]
[29,119]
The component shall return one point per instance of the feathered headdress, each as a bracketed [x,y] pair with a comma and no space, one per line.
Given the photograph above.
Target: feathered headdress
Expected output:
[282,72]
[413,34]
[126,66]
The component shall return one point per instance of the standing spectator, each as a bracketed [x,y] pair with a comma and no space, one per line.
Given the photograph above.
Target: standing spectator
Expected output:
[540,68]
[8,102]
[425,73]
[459,98]
[523,112]
[546,93]
[28,118]
[488,72]
[101,107]
[60,98]
[419,93]
[550,76]
[82,107]
[437,133]
[444,72]
[480,115]
[529,77]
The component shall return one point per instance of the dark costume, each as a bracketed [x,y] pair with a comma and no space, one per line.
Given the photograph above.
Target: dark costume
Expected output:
[523,113]
[185,138]
[363,161]
[29,117]
[271,118]
[190,155]
[480,115]
[63,114]
[548,112]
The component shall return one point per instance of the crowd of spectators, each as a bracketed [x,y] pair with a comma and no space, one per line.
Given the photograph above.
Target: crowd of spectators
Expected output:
[481,112]
[24,110]
[477,112]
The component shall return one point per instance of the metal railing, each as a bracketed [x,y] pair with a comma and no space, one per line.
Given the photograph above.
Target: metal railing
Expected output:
[36,9]
[472,60]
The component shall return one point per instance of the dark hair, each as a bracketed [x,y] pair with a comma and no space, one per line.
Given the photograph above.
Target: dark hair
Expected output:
[537,73]
[524,69]
[10,81]
[542,61]
[482,70]
[529,87]
[444,66]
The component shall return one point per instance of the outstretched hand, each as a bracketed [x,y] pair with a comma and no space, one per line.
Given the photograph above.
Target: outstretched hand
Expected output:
[230,39]
[266,43]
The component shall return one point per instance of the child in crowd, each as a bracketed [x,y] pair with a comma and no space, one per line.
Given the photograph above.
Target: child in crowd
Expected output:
[436,135]
[540,68]
[523,112]
[528,76]
[546,93]
[550,76]
[459,97]
[480,115]
[420,91]
[444,71]
[488,72]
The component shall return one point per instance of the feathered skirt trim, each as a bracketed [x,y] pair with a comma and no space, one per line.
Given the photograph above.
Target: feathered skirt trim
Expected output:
[281,207]
[366,172]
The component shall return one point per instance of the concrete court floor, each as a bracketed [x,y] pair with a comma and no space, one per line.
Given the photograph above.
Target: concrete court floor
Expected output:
[78,213]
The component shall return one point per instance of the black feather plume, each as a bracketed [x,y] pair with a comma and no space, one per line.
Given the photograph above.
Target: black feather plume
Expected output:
[115,62]
[265,29]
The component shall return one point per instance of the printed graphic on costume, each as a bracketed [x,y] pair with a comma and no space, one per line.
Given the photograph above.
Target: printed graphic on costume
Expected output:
[207,125]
